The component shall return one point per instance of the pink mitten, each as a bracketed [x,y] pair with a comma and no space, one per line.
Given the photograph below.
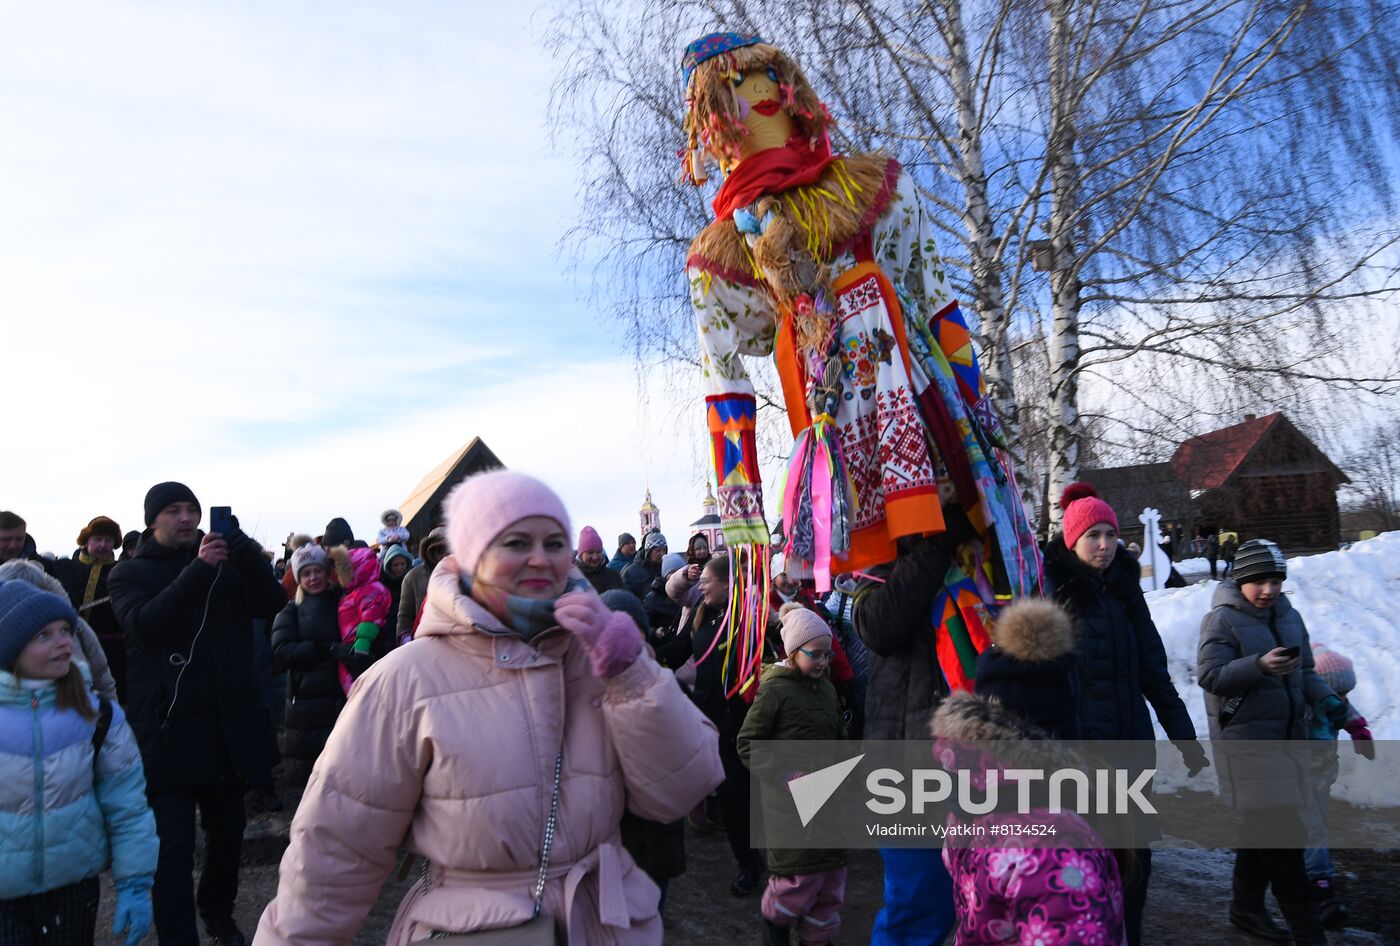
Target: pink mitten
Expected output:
[610,637]
[1361,737]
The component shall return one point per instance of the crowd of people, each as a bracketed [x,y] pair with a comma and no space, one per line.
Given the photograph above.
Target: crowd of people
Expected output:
[533,722]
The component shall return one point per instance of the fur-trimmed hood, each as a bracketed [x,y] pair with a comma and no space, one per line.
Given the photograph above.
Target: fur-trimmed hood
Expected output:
[978,732]
[437,536]
[967,717]
[1033,630]
[354,567]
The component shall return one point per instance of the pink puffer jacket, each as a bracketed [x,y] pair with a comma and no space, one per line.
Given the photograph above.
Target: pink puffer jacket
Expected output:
[447,748]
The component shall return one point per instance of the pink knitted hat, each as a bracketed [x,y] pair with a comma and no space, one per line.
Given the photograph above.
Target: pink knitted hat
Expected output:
[1335,670]
[483,506]
[589,540]
[1084,510]
[800,626]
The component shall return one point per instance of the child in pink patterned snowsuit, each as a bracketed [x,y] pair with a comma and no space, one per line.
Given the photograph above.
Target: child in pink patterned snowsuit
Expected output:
[1025,690]
[364,608]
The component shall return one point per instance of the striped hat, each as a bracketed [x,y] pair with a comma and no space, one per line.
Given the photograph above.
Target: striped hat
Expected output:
[1258,559]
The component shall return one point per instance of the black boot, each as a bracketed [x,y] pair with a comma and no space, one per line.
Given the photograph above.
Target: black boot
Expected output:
[225,932]
[749,875]
[746,883]
[1330,908]
[1303,923]
[775,935]
[1257,923]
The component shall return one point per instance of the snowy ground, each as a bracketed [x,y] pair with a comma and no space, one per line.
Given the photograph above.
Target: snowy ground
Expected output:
[1351,602]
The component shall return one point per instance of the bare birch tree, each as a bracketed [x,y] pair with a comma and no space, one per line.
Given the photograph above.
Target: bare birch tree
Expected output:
[1179,159]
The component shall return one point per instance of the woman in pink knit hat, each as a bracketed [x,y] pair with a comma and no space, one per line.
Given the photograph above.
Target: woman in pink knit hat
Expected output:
[593,562]
[1122,663]
[501,748]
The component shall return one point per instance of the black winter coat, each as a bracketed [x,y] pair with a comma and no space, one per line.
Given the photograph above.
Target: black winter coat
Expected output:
[710,679]
[894,619]
[657,847]
[195,703]
[1122,663]
[75,574]
[303,637]
[663,613]
[601,578]
[638,576]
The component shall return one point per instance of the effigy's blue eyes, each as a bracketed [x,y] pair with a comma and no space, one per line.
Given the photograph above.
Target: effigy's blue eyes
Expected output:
[737,78]
[773,75]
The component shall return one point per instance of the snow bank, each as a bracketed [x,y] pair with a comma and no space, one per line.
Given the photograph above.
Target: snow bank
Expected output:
[1350,600]
[1193,567]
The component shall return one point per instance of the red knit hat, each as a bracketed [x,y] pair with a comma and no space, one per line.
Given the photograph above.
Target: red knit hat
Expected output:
[1084,510]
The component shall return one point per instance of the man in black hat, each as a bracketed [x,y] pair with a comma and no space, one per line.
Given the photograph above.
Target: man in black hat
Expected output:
[187,601]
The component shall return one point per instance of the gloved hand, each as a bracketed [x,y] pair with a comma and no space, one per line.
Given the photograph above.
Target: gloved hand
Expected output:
[1361,740]
[958,529]
[610,637]
[1329,713]
[1194,755]
[133,910]
[365,633]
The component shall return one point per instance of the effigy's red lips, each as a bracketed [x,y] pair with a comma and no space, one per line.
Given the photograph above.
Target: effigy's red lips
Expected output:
[767,107]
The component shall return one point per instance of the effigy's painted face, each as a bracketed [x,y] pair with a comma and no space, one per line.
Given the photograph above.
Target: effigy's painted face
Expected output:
[769,126]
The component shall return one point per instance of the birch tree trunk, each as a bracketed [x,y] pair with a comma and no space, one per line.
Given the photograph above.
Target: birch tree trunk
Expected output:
[1064,277]
[989,297]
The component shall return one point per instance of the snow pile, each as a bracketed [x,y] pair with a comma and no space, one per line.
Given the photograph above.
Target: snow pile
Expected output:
[1193,567]
[1350,601]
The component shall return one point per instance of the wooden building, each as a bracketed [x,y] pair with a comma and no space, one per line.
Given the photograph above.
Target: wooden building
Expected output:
[1262,478]
[1131,489]
[1265,479]
[422,510]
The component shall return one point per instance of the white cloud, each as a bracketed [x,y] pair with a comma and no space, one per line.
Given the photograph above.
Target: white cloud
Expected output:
[296,256]
[577,427]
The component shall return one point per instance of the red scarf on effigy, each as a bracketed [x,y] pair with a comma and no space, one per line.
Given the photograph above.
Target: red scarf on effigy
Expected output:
[772,172]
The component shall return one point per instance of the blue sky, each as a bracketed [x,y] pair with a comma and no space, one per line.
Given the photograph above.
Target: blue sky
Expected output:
[295,256]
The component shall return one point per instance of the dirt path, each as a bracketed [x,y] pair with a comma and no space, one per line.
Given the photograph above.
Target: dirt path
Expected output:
[1187,903]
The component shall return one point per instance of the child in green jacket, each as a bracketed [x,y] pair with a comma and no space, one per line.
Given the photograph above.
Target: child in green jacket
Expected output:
[796,701]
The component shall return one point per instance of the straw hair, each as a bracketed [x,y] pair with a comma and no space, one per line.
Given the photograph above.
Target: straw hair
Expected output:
[712,116]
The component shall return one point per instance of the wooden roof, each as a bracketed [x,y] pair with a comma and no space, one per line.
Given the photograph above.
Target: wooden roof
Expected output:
[1211,460]
[433,488]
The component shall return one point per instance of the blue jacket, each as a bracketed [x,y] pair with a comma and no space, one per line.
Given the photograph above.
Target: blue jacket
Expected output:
[64,818]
